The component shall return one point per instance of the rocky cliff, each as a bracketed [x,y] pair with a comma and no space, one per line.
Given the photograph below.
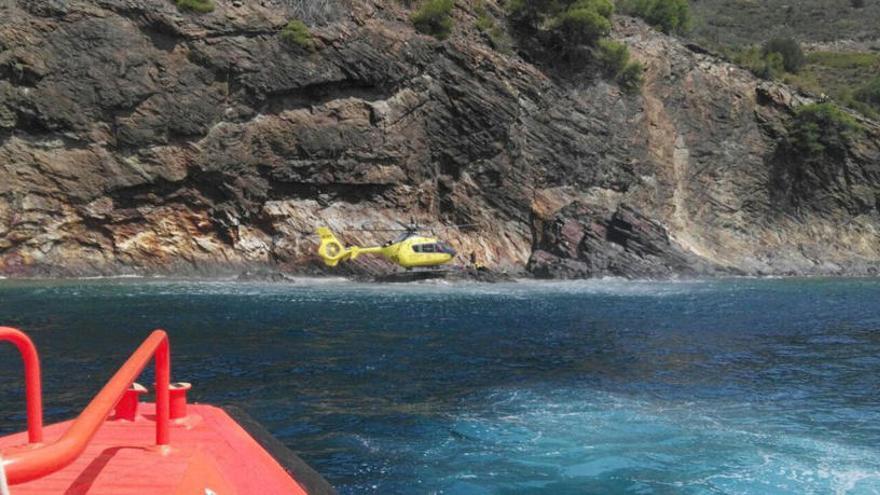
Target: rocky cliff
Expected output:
[135,138]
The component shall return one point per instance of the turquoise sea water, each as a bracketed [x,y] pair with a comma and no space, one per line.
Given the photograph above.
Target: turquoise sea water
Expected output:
[730,386]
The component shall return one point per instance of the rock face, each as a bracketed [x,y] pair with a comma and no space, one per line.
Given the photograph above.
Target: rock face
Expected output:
[138,139]
[584,241]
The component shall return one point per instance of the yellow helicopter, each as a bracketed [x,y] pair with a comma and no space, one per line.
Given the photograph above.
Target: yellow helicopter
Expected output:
[409,249]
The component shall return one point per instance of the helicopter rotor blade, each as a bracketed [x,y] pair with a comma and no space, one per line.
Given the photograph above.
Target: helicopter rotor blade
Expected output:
[471,226]
[414,227]
[411,226]
[372,227]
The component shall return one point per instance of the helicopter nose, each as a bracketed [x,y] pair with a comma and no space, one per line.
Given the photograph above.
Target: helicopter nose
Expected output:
[450,251]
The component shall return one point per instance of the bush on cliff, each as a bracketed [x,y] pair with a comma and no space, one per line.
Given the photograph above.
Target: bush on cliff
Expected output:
[564,27]
[869,94]
[434,17]
[575,31]
[771,66]
[847,77]
[577,21]
[528,12]
[764,65]
[484,20]
[631,77]
[790,51]
[613,58]
[840,76]
[297,33]
[670,16]
[486,24]
[200,6]
[821,129]
[584,22]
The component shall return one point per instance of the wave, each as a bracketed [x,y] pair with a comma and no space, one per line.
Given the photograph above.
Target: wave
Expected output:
[126,276]
[631,443]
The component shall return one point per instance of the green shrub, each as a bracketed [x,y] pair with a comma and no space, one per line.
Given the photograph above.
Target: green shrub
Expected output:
[564,26]
[790,51]
[565,14]
[605,8]
[845,60]
[671,16]
[575,31]
[434,17]
[582,25]
[846,77]
[200,6]
[485,23]
[498,38]
[774,66]
[866,99]
[529,12]
[611,57]
[297,33]
[764,65]
[870,93]
[631,77]
[821,128]
[749,58]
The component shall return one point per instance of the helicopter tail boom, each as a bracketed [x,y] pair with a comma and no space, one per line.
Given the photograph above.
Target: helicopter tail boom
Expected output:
[332,251]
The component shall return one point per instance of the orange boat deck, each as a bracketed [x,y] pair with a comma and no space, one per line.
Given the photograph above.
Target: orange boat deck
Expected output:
[210,454]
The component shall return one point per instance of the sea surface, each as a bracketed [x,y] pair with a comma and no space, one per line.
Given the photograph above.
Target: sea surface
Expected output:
[735,386]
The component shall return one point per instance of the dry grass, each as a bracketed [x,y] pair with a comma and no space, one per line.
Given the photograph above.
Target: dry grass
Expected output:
[744,22]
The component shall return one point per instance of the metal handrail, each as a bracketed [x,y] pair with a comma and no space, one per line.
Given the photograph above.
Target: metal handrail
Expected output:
[35,463]
[33,388]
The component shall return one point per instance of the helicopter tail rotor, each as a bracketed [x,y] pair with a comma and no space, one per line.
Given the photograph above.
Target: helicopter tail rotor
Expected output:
[331,250]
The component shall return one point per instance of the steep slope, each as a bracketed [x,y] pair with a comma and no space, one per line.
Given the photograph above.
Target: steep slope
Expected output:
[138,139]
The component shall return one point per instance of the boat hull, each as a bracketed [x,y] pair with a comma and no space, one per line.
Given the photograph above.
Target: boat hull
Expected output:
[211,452]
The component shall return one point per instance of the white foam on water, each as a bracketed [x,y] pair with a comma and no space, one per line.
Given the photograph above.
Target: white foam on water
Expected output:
[524,289]
[846,482]
[589,434]
[129,276]
[307,290]
[340,290]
